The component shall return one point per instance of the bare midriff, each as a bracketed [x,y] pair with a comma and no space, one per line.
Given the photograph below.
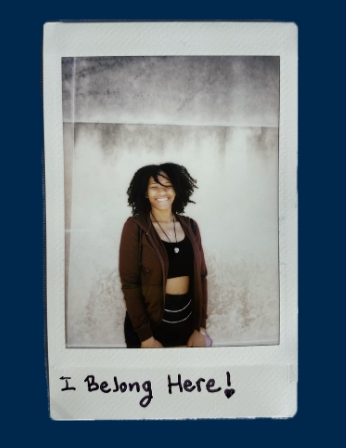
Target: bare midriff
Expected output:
[178,285]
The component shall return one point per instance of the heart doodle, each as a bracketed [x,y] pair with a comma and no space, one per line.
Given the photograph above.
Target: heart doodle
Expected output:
[229,392]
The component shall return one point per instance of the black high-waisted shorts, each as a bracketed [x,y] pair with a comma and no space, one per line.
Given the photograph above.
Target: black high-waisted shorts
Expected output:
[175,328]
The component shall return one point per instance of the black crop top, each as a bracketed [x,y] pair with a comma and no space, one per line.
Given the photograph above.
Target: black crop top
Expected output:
[180,263]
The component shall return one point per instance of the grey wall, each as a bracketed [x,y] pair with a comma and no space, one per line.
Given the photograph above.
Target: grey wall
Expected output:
[218,116]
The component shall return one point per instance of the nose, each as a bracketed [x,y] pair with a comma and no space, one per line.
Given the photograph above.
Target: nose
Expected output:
[162,190]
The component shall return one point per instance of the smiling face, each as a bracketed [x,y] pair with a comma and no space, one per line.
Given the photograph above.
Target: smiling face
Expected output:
[161,195]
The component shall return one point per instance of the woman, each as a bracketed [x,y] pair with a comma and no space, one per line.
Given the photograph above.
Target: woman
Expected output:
[162,267]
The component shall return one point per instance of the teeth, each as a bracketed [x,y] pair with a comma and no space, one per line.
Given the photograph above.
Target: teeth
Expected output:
[162,199]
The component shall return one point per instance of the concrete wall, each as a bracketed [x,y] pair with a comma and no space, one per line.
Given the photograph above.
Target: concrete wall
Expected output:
[218,116]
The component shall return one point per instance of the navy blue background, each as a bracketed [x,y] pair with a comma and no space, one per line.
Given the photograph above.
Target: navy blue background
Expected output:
[321,234]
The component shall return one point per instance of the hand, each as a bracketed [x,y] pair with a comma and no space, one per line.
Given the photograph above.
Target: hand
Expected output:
[151,343]
[196,340]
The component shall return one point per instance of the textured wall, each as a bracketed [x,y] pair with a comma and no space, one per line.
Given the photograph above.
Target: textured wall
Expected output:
[218,117]
[221,91]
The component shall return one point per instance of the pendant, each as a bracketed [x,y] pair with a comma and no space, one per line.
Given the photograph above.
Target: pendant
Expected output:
[176,250]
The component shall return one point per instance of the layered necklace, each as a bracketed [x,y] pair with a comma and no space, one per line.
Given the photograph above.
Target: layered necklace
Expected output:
[176,249]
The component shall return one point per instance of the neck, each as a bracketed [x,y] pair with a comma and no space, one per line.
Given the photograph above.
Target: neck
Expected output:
[163,215]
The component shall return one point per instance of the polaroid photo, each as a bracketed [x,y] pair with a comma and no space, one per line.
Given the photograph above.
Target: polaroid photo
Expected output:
[171,219]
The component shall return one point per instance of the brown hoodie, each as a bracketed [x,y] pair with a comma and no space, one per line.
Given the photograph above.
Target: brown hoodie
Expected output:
[143,266]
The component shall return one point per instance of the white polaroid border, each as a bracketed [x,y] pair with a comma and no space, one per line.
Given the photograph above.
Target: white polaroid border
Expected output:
[240,382]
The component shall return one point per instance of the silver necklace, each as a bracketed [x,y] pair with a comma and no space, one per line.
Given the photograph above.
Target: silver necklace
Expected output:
[176,249]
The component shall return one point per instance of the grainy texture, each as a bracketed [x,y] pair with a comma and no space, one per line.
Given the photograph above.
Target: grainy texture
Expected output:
[218,117]
[241,91]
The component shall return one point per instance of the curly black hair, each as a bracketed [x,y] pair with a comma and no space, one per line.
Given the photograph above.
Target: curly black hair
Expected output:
[183,184]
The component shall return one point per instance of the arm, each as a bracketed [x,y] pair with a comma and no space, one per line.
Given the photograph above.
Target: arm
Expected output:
[199,337]
[204,273]
[130,275]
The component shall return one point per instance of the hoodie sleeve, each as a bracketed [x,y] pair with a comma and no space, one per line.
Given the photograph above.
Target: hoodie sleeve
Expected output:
[130,276]
[204,273]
